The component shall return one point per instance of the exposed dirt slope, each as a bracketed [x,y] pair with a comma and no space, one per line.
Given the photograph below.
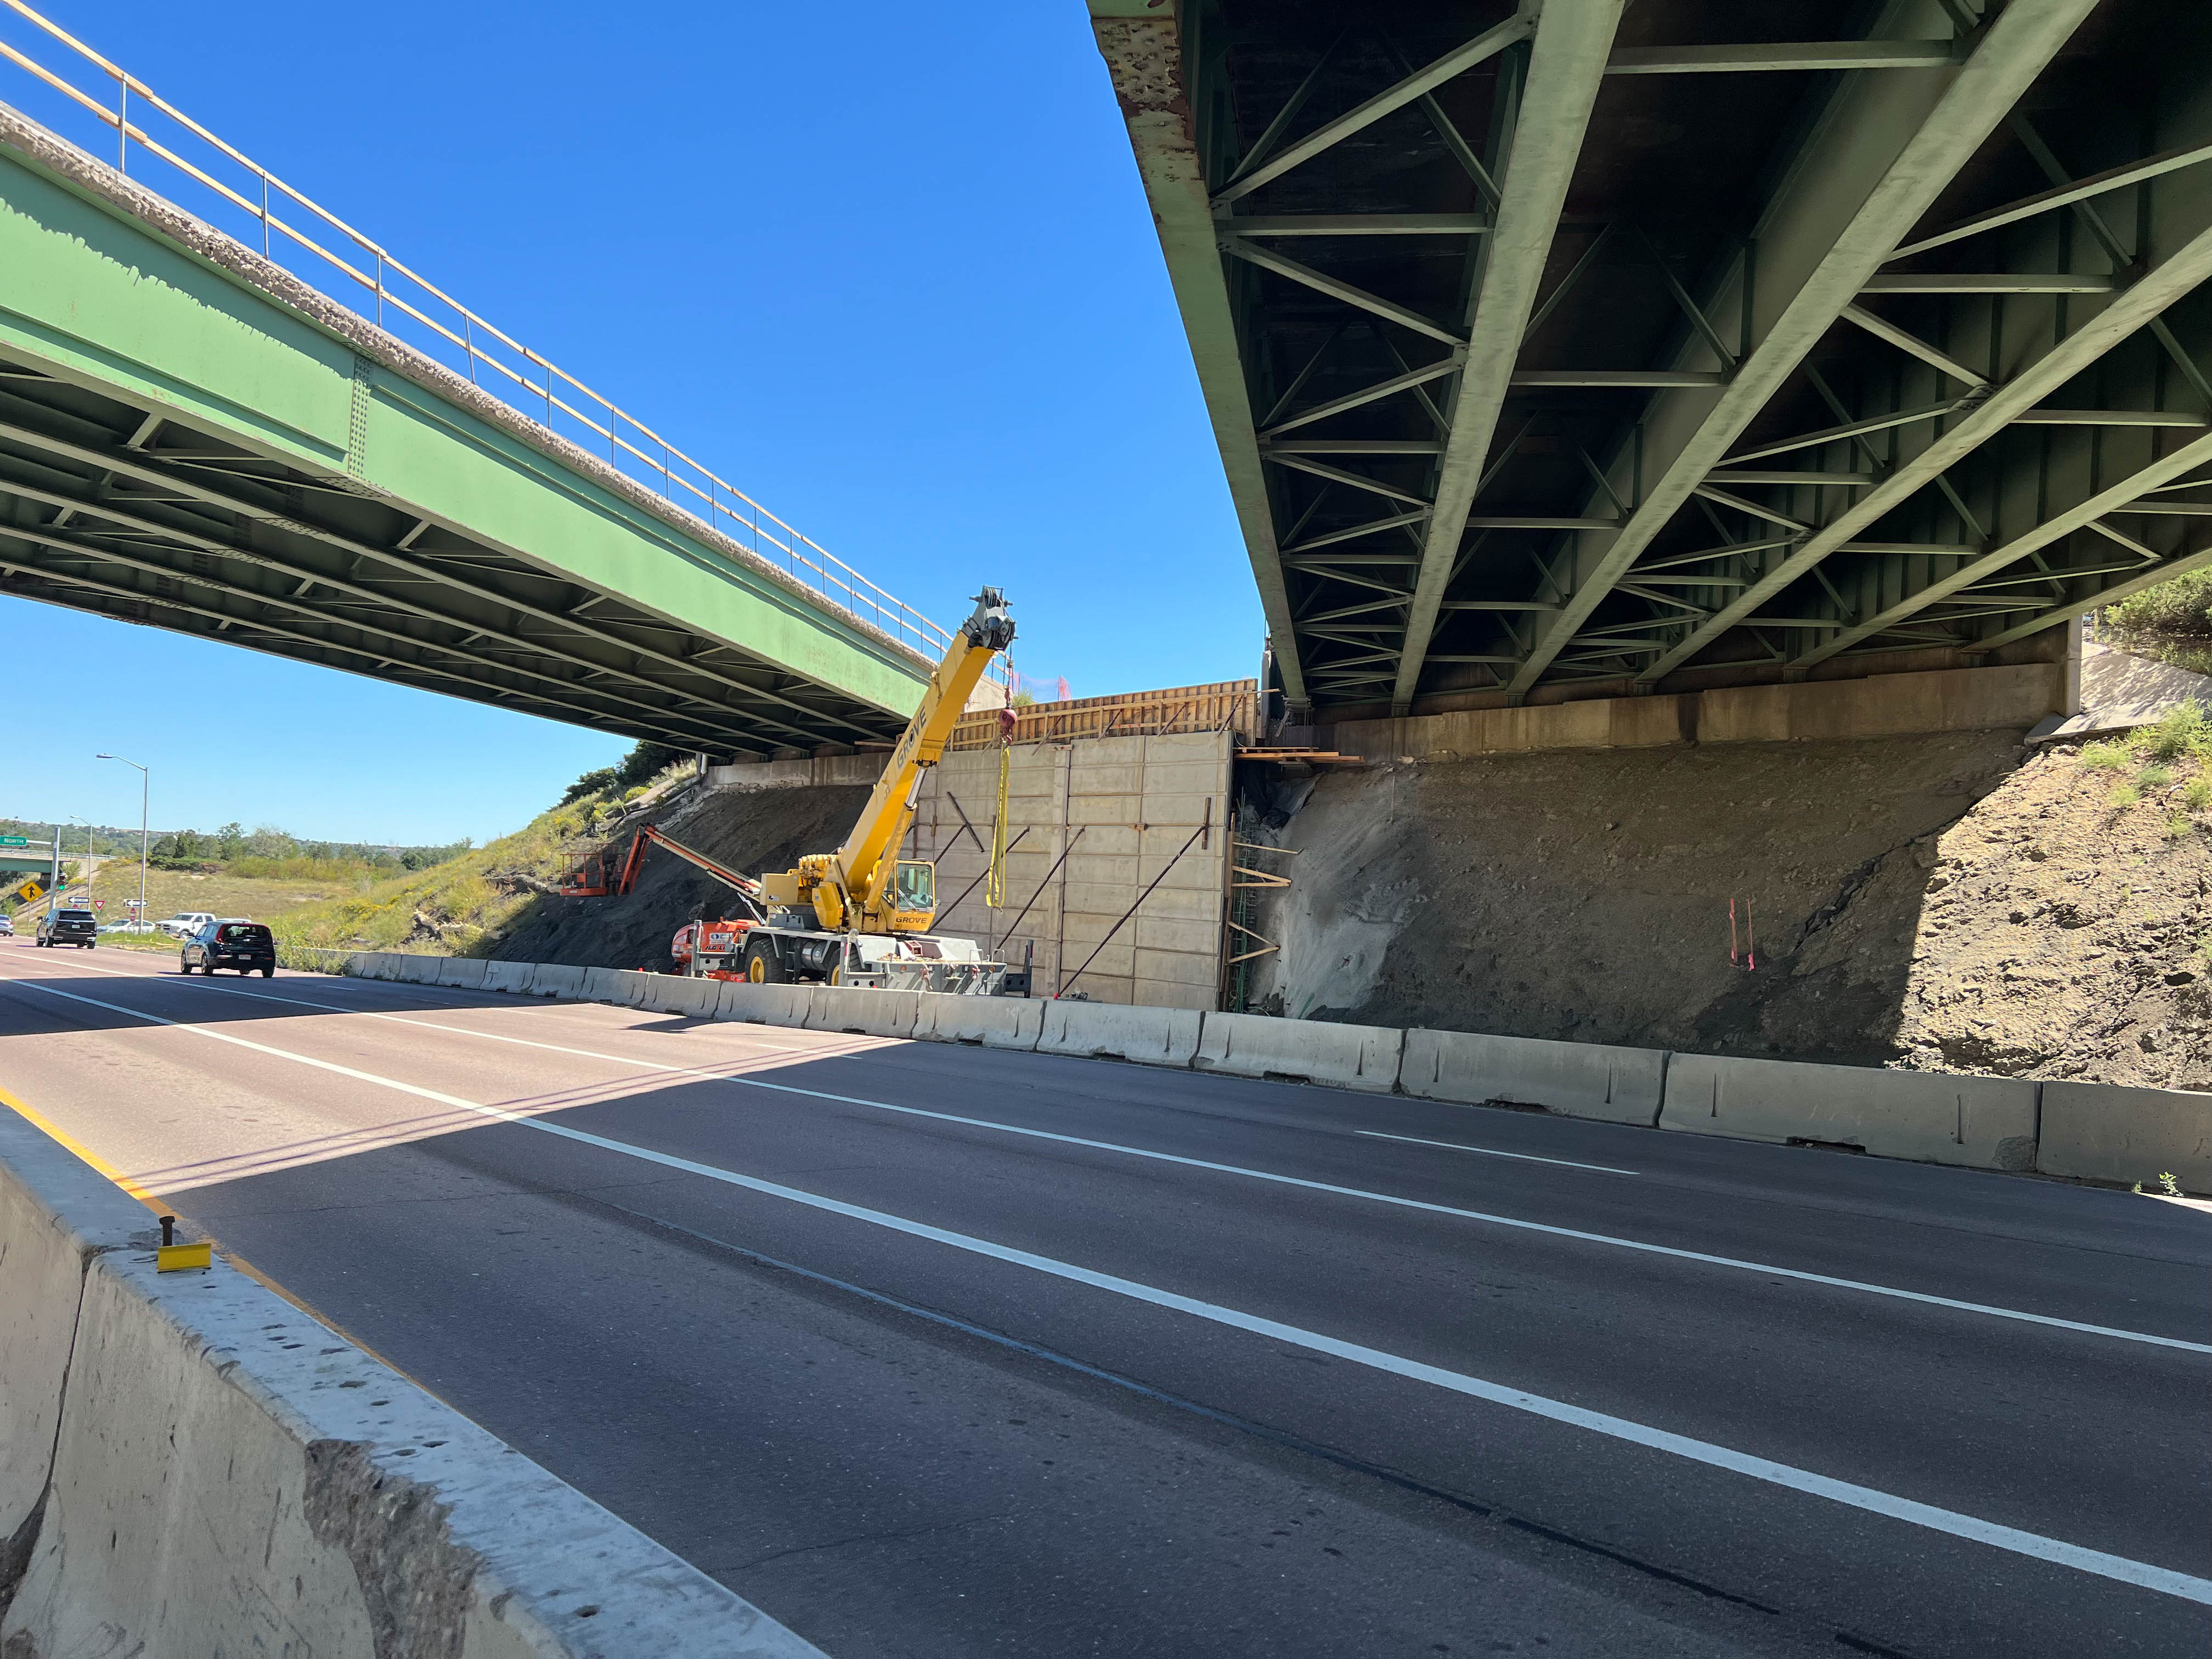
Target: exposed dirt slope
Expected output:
[749,831]
[1941,901]
[2062,935]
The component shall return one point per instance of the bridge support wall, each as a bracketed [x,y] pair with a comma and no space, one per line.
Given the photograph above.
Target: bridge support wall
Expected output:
[1887,705]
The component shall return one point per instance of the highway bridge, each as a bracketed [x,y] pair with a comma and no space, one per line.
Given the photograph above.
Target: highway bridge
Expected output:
[196,435]
[1578,350]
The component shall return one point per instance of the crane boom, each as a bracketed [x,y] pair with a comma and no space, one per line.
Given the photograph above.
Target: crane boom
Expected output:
[858,889]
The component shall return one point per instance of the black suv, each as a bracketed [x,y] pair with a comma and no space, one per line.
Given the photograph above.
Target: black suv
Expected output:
[77,927]
[237,943]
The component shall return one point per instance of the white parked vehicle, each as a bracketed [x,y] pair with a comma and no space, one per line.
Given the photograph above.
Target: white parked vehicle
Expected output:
[186,923]
[7,927]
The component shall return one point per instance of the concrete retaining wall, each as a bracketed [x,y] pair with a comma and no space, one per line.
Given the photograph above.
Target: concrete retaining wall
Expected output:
[1106,1030]
[2102,1132]
[191,1465]
[1988,1122]
[1574,1079]
[2089,1131]
[1311,1051]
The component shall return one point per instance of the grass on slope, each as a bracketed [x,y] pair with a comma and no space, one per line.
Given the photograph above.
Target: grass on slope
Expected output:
[472,899]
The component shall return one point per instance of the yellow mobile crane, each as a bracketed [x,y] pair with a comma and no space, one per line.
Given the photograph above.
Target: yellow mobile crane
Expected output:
[861,915]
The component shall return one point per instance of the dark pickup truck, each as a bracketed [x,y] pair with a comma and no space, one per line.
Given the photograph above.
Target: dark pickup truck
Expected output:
[77,927]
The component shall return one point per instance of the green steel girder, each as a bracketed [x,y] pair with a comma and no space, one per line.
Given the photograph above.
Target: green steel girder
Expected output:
[190,440]
[1750,424]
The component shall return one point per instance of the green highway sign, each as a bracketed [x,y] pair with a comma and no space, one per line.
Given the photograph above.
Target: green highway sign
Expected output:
[15,841]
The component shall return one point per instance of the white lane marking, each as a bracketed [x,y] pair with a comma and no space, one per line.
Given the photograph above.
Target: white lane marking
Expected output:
[2119,1568]
[1492,1151]
[1735,1263]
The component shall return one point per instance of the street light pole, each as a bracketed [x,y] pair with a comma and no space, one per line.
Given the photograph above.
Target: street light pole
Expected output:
[56,904]
[145,788]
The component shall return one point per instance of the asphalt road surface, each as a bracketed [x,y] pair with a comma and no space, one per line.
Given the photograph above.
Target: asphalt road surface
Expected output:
[931,1350]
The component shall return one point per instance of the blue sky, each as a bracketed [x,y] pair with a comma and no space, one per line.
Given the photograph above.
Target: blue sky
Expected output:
[888,268]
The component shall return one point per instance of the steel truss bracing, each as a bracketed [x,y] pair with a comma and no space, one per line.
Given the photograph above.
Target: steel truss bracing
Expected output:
[121,511]
[1577,349]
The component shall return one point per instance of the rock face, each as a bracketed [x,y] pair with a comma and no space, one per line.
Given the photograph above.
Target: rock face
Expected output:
[1945,903]
[2061,936]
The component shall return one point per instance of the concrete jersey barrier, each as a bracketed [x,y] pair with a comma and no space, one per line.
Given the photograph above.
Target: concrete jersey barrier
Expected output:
[189,1465]
[1301,1050]
[1574,1079]
[2101,1131]
[623,987]
[981,1022]
[765,1005]
[1936,1117]
[697,999]
[512,977]
[462,973]
[1113,1030]
[863,1012]
[555,979]
[2094,1132]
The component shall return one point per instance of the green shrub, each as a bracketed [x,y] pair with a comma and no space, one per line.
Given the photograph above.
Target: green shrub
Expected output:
[2104,757]
[2180,605]
[2196,794]
[2178,826]
[2124,794]
[2182,732]
[2153,777]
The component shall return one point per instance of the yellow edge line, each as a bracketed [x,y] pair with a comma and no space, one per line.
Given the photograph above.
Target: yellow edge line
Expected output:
[54,1131]
[45,1125]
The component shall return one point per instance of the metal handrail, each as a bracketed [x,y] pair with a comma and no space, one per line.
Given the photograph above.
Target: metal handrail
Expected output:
[463,335]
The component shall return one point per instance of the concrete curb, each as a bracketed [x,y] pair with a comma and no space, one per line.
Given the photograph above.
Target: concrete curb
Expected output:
[195,1465]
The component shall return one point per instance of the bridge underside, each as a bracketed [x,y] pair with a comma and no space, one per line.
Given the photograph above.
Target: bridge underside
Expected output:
[1688,344]
[181,448]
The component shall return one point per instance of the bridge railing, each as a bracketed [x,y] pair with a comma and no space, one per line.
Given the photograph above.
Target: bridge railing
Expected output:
[310,241]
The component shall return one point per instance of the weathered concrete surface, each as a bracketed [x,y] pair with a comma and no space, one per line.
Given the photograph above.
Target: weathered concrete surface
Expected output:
[1574,1079]
[2127,1134]
[1151,1036]
[1984,1122]
[191,1466]
[1363,1057]
[1886,705]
